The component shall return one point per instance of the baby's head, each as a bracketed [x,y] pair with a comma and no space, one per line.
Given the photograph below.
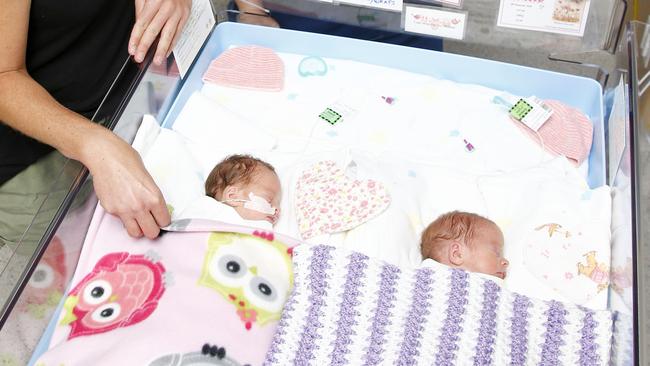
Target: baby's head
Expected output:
[465,240]
[249,185]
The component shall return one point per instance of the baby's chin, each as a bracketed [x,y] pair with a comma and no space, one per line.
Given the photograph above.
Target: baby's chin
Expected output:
[499,275]
[269,219]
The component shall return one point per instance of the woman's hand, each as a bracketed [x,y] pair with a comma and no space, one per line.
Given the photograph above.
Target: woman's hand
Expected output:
[123,185]
[154,17]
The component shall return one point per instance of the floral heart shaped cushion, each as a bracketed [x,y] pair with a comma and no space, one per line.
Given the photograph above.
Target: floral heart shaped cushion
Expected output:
[328,201]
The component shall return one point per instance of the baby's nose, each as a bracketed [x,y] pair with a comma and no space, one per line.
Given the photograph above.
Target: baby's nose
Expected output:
[504,262]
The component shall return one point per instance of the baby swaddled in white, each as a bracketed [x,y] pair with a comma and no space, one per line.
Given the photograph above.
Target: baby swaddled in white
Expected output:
[242,190]
[465,240]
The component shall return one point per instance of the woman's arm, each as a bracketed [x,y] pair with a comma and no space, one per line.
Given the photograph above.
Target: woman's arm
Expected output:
[252,12]
[121,182]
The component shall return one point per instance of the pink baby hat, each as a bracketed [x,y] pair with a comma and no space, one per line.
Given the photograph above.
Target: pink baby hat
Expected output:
[247,67]
[567,132]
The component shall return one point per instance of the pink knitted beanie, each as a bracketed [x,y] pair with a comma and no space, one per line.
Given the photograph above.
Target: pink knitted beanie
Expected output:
[567,132]
[247,67]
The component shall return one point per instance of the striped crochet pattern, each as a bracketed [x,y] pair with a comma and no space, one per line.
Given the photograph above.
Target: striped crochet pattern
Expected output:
[349,309]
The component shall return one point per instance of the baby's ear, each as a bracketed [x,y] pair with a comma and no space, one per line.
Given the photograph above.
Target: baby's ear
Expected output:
[230,192]
[455,253]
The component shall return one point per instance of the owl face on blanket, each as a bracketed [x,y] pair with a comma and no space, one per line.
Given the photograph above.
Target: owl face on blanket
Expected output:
[123,289]
[251,272]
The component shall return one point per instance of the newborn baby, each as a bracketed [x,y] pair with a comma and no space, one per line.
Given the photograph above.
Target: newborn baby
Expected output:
[240,190]
[247,184]
[465,240]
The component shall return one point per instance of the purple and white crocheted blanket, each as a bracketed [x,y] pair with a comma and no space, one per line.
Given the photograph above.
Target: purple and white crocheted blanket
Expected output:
[349,309]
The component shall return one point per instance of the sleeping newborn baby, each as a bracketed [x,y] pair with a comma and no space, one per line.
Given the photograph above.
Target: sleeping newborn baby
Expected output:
[465,240]
[247,184]
[242,190]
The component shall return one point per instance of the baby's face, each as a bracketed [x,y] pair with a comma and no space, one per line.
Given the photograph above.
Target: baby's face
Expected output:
[266,185]
[486,252]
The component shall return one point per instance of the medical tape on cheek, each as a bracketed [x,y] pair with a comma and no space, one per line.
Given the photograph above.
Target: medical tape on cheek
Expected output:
[259,204]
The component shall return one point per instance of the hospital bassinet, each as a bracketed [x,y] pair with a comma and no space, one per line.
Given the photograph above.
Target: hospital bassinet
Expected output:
[613,56]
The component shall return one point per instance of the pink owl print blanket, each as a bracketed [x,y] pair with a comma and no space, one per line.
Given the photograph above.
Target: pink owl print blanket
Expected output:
[203,293]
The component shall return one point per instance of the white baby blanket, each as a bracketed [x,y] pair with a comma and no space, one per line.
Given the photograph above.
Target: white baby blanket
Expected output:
[393,235]
[407,131]
[382,109]
[180,176]
[563,205]
[205,207]
[557,232]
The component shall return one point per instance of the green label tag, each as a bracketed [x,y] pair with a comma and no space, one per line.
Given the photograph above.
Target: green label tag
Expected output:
[330,116]
[520,109]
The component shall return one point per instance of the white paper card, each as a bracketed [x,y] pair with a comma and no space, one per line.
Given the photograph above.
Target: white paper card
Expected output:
[196,30]
[454,3]
[441,23]
[555,16]
[393,5]
[457,3]
[538,115]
